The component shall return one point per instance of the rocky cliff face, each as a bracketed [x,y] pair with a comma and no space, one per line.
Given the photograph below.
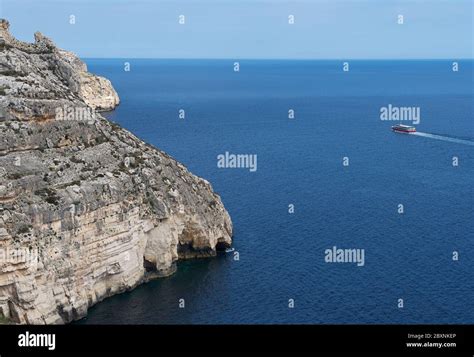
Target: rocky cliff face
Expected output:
[87,210]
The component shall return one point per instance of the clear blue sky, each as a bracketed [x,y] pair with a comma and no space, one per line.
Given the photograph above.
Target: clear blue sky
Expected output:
[339,29]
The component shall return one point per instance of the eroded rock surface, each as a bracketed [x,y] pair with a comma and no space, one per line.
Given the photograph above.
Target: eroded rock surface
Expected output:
[98,210]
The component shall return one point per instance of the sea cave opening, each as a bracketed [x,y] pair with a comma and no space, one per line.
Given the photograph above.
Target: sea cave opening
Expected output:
[149,266]
[221,246]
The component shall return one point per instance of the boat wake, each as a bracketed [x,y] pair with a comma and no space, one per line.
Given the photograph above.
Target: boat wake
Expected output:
[444,138]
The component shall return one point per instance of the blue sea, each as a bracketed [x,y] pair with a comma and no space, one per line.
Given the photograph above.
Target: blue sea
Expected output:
[408,256]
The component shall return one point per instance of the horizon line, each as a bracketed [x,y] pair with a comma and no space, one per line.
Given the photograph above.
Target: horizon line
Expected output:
[284,59]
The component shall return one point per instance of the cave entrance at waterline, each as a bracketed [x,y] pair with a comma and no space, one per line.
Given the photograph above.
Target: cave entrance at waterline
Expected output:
[149,266]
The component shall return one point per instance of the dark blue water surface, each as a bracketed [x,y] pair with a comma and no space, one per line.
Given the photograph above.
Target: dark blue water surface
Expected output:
[407,256]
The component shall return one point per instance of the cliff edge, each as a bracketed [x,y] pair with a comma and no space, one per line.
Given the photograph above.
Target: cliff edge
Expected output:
[87,210]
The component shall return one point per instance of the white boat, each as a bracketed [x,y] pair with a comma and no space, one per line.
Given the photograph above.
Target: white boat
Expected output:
[406,129]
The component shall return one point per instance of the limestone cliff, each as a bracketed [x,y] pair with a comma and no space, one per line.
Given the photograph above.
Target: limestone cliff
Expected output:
[99,210]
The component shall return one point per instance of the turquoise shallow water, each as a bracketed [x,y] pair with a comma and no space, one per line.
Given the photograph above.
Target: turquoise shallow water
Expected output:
[407,255]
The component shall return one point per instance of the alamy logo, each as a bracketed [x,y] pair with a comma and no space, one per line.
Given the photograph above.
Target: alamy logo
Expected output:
[68,113]
[391,112]
[19,255]
[237,161]
[37,340]
[338,255]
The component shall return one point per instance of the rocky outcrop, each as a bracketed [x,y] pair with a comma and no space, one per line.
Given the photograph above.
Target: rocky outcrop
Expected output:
[97,92]
[87,210]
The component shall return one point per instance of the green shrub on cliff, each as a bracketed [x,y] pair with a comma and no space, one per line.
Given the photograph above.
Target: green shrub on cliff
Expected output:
[4,320]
